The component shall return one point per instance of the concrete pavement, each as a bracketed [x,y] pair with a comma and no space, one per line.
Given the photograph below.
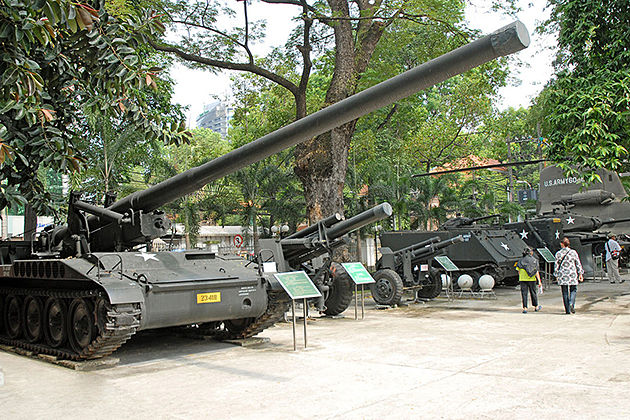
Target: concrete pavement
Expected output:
[461,359]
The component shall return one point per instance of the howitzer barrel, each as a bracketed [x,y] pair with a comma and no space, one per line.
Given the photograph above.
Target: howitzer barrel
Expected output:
[435,247]
[372,215]
[418,245]
[327,222]
[507,40]
[298,250]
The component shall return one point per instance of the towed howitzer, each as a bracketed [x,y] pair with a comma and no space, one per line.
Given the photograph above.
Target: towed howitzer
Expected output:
[410,268]
[80,290]
[311,250]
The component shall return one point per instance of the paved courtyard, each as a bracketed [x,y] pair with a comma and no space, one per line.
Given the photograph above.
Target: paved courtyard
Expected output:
[460,359]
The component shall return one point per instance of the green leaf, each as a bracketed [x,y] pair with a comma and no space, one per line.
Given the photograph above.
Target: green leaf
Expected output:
[7,106]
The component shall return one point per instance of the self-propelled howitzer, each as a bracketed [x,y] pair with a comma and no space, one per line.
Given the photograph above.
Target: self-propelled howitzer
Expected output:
[80,290]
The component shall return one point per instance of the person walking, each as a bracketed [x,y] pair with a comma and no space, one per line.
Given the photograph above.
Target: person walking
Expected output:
[568,272]
[613,249]
[528,274]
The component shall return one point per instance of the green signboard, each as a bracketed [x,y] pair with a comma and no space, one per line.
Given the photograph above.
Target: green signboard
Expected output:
[446,263]
[298,285]
[546,254]
[358,273]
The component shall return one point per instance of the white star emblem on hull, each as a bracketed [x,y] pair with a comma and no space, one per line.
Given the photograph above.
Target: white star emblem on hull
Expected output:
[523,234]
[570,221]
[504,246]
[147,256]
[557,234]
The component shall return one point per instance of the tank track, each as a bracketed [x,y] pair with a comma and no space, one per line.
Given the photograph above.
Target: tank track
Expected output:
[277,305]
[121,323]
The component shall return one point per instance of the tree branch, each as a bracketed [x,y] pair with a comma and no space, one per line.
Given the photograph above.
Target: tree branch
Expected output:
[249,67]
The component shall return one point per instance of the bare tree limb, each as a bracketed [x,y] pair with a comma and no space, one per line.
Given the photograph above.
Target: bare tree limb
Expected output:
[249,67]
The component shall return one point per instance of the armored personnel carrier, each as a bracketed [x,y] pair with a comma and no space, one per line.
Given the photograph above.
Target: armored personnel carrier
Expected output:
[485,249]
[583,232]
[81,289]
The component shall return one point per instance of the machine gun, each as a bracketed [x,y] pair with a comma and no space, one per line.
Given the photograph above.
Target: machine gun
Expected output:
[460,222]
[311,250]
[80,290]
[410,268]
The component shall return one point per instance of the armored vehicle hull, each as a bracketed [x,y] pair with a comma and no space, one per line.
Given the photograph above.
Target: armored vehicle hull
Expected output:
[484,251]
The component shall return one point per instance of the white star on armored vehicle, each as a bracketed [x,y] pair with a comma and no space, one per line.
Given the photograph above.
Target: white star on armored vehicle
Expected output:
[523,234]
[507,248]
[557,234]
[147,256]
[570,220]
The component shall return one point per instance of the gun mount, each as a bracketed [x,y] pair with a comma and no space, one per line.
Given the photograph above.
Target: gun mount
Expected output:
[460,222]
[410,268]
[80,290]
[311,250]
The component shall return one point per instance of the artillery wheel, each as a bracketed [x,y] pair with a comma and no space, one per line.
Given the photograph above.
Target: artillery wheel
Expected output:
[340,293]
[33,317]
[81,327]
[431,290]
[13,316]
[388,288]
[55,321]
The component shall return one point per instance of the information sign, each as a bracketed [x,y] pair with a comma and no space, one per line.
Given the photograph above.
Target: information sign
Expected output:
[446,263]
[298,285]
[546,254]
[358,273]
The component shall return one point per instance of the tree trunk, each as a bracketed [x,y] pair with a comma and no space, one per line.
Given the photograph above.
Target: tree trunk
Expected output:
[321,163]
[5,224]
[30,222]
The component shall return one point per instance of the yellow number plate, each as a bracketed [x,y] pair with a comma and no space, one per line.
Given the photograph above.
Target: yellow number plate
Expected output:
[209,297]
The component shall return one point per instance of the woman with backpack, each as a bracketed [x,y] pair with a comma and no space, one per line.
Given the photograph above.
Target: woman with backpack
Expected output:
[529,277]
[568,272]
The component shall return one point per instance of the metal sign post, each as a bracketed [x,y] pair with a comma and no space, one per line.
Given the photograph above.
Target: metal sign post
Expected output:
[549,259]
[293,322]
[360,276]
[298,286]
[450,268]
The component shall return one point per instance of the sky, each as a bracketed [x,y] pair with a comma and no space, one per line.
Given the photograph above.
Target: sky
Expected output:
[530,70]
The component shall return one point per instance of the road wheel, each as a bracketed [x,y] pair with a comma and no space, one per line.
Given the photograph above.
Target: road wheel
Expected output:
[81,326]
[431,290]
[340,292]
[33,317]
[388,288]
[55,321]
[13,316]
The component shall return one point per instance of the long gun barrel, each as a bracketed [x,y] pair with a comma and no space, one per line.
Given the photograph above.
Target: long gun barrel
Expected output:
[139,227]
[417,246]
[613,221]
[507,40]
[433,248]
